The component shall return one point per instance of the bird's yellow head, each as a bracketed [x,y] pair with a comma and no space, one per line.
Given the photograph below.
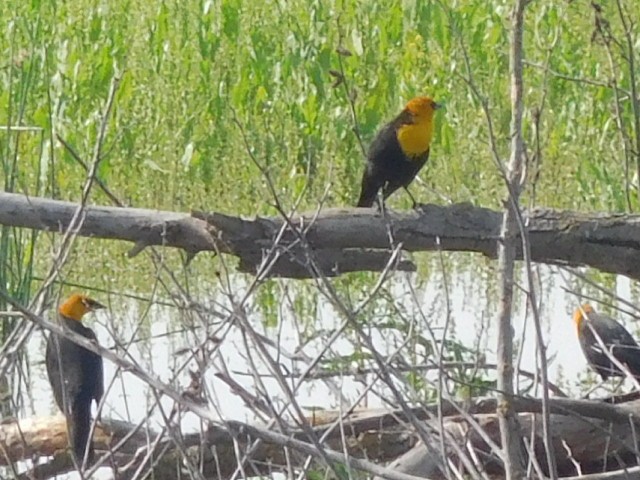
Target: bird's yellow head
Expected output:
[77,305]
[581,313]
[415,135]
[422,107]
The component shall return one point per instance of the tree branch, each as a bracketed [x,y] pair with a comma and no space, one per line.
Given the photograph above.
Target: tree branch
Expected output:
[509,428]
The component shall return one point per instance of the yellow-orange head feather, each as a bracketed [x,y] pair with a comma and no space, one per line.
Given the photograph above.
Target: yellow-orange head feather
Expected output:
[77,305]
[415,137]
[422,107]
[580,313]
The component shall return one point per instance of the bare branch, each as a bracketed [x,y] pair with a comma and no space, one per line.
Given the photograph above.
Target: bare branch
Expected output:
[509,428]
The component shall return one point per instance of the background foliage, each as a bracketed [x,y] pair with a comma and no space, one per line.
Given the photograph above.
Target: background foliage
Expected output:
[197,75]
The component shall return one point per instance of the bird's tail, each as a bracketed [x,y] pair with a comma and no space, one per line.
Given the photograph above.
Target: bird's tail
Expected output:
[79,427]
[367,196]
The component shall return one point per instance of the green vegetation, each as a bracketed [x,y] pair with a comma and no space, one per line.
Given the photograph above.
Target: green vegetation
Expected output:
[197,75]
[188,66]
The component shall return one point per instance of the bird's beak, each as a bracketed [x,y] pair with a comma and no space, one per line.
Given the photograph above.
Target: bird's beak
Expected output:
[437,106]
[93,305]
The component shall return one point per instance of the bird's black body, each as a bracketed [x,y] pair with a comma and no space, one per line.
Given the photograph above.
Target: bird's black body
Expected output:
[388,167]
[618,341]
[76,377]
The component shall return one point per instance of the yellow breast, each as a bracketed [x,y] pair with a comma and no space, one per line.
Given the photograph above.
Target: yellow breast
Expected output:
[415,138]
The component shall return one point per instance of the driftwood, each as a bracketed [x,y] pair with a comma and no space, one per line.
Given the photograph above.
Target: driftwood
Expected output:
[588,436]
[337,241]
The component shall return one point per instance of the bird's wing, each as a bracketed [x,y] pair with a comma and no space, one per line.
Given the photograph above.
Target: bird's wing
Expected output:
[384,140]
[93,368]
[596,348]
[72,373]
[100,381]
[621,345]
[611,332]
[622,337]
[53,370]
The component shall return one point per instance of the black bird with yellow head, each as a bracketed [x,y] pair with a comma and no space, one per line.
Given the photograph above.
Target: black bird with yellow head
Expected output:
[76,374]
[616,339]
[399,151]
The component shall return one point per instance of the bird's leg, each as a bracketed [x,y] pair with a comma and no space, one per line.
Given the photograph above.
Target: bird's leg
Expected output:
[380,203]
[385,218]
[413,200]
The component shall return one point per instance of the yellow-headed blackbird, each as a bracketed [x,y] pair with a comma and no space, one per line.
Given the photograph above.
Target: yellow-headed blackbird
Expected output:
[399,151]
[75,374]
[615,338]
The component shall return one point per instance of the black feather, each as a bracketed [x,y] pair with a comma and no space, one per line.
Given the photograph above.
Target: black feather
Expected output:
[79,427]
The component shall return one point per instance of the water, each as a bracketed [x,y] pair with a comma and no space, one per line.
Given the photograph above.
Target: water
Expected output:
[472,316]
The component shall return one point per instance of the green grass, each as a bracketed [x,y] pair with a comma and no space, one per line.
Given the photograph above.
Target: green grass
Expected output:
[190,69]
[189,65]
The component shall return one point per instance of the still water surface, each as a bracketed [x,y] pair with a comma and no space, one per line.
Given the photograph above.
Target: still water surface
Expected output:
[471,322]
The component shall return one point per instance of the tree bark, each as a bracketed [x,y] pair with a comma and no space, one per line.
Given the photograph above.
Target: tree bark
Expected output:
[346,240]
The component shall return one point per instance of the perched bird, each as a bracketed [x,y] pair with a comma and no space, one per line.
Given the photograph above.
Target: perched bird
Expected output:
[399,151]
[614,336]
[75,374]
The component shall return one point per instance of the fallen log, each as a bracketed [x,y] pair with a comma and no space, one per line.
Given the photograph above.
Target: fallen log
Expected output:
[336,241]
[589,436]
